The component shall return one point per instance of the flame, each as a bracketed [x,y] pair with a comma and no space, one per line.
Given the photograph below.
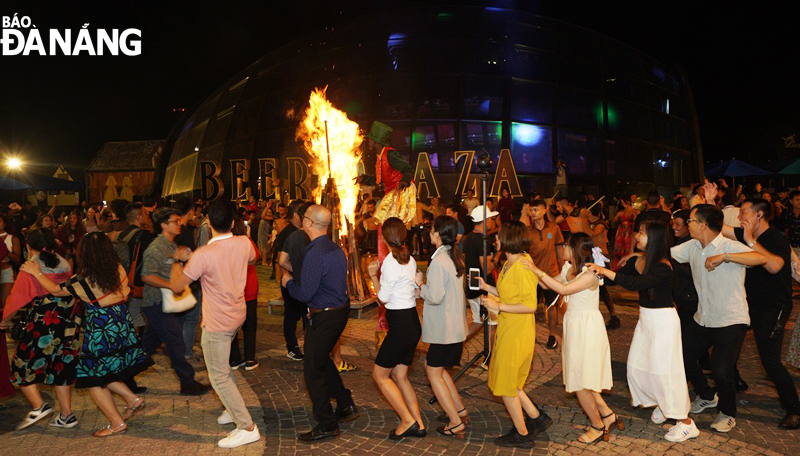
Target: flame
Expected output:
[344,137]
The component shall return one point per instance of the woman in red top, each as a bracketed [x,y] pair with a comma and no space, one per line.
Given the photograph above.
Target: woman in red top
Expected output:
[622,240]
[251,299]
[506,206]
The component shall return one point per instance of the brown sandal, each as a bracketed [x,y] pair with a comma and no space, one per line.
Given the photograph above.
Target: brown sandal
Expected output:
[443,418]
[451,432]
[618,423]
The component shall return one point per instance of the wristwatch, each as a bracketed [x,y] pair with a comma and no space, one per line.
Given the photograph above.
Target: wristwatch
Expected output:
[751,244]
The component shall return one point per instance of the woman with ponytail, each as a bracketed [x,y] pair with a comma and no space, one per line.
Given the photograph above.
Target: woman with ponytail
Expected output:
[445,322]
[48,351]
[398,293]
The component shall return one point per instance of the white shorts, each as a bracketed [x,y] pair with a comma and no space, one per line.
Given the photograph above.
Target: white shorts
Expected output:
[475,305]
[7,275]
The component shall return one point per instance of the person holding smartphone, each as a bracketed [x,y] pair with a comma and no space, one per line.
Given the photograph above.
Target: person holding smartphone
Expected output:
[474,259]
[513,302]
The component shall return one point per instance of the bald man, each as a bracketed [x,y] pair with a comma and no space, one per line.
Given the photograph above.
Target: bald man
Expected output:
[323,286]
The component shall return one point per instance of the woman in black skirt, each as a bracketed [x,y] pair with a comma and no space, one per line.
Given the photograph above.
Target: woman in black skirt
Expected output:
[398,294]
[445,322]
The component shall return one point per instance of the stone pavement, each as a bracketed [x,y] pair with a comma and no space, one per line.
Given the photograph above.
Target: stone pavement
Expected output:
[275,394]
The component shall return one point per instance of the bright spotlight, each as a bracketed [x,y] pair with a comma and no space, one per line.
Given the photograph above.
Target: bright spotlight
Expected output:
[14,163]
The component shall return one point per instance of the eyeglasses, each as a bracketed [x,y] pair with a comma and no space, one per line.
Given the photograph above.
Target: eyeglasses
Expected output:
[693,220]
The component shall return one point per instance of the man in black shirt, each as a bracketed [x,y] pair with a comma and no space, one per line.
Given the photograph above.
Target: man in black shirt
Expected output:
[190,319]
[293,310]
[769,297]
[473,258]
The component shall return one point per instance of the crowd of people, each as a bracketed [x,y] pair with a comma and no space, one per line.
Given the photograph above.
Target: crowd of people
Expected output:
[707,268]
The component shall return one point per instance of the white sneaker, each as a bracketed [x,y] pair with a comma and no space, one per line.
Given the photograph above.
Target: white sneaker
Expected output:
[239,437]
[35,415]
[682,432]
[700,404]
[723,423]
[657,416]
[225,417]
[67,422]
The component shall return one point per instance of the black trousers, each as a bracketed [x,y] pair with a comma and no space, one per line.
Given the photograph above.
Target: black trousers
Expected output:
[249,332]
[165,327]
[727,344]
[293,310]
[322,378]
[762,321]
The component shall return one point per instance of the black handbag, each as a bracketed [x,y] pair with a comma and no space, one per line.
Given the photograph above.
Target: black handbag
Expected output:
[19,329]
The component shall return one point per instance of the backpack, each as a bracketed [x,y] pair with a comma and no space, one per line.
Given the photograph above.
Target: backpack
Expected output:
[122,250]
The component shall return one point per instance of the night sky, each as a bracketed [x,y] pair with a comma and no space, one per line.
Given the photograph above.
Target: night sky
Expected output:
[741,61]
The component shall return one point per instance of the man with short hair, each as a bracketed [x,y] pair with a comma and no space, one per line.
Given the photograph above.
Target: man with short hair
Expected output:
[470,202]
[722,315]
[221,268]
[324,288]
[473,258]
[138,239]
[545,237]
[729,210]
[769,298]
[699,196]
[290,258]
[452,211]
[165,327]
[190,319]
[293,310]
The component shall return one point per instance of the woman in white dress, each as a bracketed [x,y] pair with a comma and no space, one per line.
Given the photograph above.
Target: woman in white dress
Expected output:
[655,360]
[585,353]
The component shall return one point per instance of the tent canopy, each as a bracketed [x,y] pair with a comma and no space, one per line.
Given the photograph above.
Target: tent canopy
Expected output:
[792,168]
[7,183]
[40,182]
[735,168]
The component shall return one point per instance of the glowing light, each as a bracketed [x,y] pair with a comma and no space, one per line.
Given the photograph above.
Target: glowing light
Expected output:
[14,163]
[345,139]
[526,135]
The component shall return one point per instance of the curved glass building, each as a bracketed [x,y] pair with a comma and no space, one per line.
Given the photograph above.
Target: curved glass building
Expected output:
[453,79]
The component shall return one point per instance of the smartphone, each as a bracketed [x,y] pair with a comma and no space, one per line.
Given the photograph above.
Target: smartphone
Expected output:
[474,284]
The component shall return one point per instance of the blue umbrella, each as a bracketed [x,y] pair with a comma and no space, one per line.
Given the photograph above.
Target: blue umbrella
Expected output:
[736,168]
[7,183]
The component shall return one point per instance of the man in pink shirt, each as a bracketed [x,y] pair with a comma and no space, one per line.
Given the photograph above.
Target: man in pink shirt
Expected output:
[221,267]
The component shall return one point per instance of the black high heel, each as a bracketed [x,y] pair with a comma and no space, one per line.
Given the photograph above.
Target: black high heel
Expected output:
[618,423]
[600,437]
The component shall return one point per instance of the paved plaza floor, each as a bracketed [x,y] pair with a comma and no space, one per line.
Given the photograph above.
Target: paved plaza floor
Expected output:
[275,394]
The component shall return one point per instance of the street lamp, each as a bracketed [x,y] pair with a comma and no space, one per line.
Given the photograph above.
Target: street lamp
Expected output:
[14,163]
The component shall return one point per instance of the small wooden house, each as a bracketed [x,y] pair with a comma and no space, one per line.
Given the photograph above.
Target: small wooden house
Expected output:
[123,170]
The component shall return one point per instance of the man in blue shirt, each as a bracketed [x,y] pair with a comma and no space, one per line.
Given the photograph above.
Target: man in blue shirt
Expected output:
[323,285]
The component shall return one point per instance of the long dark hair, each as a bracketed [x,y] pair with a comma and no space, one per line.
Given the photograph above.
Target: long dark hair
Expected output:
[44,241]
[99,263]
[394,233]
[447,227]
[657,248]
[581,246]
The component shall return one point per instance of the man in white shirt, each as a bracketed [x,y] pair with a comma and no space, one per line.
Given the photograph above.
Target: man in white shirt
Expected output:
[730,212]
[470,202]
[722,316]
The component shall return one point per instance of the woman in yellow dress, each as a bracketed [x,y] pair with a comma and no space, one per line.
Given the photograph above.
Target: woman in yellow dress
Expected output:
[514,299]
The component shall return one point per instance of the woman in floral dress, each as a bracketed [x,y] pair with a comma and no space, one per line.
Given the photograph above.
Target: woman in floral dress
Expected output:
[111,351]
[48,353]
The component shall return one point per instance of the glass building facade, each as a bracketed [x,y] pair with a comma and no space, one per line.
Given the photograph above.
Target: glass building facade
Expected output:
[450,79]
